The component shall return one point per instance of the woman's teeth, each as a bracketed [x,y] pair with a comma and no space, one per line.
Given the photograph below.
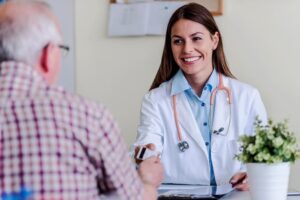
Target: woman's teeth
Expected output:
[190,59]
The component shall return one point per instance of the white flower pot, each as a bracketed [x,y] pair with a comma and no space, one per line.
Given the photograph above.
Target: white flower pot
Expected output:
[268,181]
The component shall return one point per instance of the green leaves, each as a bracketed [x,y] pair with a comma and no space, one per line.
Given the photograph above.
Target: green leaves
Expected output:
[273,143]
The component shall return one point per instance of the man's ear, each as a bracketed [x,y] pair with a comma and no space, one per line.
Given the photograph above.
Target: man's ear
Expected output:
[46,58]
[47,64]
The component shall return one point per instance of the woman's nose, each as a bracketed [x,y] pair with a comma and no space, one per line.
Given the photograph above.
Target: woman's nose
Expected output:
[188,47]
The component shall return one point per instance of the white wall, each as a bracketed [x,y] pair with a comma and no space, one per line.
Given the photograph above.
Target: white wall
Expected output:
[262,44]
[64,10]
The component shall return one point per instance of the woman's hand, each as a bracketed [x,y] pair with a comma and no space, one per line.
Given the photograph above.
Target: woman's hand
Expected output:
[240,181]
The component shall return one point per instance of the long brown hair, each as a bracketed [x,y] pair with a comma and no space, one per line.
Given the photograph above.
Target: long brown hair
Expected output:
[197,13]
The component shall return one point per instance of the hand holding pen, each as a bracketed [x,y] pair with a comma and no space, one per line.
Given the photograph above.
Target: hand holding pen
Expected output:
[240,181]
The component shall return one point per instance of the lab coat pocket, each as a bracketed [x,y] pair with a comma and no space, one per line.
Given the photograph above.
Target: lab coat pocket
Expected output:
[225,163]
[234,148]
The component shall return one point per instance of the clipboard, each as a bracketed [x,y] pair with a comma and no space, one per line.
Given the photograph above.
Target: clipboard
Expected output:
[186,198]
[182,192]
[293,192]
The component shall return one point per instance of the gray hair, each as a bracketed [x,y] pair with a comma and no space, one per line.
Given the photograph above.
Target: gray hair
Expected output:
[24,35]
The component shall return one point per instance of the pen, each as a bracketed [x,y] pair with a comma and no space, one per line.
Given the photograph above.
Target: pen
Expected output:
[240,181]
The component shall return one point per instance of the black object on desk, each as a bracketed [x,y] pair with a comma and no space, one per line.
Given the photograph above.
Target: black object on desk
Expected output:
[192,192]
[293,192]
[185,198]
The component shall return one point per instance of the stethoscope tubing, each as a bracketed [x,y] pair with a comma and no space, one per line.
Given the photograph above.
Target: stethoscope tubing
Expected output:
[182,144]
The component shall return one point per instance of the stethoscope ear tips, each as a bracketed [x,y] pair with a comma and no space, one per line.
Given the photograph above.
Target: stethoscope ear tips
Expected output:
[183,145]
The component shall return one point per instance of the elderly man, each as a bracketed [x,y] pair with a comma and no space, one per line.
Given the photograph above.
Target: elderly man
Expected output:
[52,143]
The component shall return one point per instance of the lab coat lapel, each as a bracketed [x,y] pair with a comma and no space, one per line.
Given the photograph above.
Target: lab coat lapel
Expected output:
[188,122]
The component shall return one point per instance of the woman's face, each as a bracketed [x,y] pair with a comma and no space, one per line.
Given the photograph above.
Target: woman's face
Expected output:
[192,46]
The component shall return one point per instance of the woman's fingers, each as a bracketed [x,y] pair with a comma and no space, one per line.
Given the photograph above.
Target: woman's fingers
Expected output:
[240,181]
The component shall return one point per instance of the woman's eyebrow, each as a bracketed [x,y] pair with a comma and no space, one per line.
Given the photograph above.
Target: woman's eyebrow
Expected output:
[177,36]
[193,34]
[196,33]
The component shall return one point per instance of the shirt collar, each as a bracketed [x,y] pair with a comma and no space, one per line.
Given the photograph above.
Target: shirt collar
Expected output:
[180,83]
[213,81]
[18,78]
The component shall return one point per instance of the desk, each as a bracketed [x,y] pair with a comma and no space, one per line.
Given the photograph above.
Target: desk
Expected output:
[206,190]
[236,195]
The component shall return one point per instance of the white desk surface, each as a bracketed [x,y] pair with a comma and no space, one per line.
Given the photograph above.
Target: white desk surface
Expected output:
[236,195]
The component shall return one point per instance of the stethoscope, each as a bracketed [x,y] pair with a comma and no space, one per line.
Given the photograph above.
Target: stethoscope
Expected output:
[184,145]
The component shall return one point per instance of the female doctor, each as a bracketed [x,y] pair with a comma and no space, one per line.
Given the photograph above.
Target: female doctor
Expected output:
[196,110]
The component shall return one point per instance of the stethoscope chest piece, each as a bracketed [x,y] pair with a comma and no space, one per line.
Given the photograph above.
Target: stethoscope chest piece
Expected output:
[183,145]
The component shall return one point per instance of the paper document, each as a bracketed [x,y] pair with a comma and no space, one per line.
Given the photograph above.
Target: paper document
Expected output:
[159,15]
[144,18]
[212,192]
[127,19]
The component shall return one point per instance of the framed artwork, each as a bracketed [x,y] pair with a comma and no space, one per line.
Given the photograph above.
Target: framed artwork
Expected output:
[216,7]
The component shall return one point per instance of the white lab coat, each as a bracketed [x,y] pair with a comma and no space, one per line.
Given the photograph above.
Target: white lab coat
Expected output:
[157,125]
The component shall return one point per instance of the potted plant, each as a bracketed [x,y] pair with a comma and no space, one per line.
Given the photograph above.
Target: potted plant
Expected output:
[268,155]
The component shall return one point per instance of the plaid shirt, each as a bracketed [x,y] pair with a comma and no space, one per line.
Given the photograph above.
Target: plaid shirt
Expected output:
[59,145]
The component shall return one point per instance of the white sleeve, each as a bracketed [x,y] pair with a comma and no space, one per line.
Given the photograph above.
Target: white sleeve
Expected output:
[257,109]
[150,129]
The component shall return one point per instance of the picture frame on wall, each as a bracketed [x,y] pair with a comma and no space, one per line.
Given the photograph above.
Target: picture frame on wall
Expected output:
[216,7]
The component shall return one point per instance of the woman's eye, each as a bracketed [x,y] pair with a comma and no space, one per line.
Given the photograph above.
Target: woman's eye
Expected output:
[197,38]
[177,41]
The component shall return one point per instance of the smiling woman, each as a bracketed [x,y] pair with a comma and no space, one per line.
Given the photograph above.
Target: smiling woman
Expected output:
[195,107]
[192,46]
[196,22]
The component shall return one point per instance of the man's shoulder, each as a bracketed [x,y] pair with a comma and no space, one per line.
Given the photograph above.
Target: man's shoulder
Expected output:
[75,102]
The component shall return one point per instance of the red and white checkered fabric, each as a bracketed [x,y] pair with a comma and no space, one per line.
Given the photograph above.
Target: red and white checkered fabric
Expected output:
[57,144]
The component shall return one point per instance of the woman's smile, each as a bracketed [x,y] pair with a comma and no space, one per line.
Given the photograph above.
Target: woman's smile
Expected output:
[191,60]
